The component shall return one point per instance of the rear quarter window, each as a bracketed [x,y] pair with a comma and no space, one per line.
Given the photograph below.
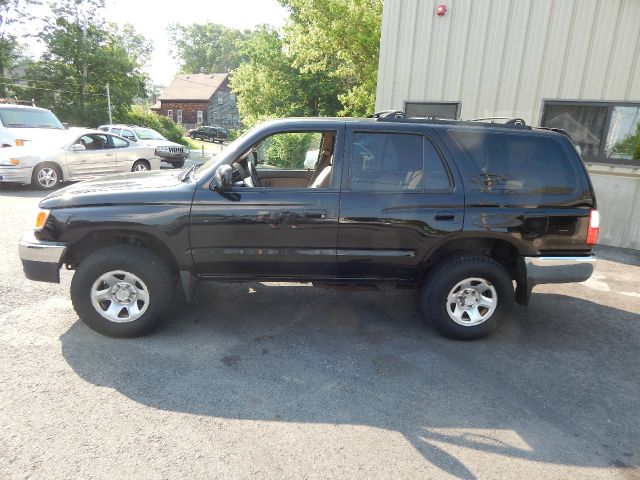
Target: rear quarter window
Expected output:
[515,164]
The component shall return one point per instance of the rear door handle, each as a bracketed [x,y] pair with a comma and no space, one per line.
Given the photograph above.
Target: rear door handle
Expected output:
[445,215]
[315,213]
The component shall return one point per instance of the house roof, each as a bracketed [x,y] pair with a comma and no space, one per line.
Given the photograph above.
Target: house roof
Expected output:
[194,86]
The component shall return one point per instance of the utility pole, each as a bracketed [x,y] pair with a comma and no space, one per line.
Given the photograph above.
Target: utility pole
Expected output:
[84,67]
[109,104]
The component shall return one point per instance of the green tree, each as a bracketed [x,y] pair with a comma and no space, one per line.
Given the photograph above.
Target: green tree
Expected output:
[81,56]
[340,38]
[268,84]
[13,15]
[206,48]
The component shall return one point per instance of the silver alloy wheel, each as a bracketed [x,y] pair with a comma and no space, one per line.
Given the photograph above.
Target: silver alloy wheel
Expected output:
[120,296]
[47,177]
[472,301]
[140,167]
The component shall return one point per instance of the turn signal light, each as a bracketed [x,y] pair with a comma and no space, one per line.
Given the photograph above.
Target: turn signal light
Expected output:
[19,143]
[594,227]
[14,161]
[41,219]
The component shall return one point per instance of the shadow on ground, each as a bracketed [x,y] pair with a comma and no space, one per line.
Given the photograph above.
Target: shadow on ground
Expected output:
[561,377]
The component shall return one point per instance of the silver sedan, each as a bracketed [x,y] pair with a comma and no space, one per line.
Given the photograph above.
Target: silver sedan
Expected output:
[78,154]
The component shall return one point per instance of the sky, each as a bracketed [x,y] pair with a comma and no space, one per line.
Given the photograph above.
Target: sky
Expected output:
[151,19]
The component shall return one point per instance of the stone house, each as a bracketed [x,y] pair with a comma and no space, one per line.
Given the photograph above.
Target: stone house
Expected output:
[199,99]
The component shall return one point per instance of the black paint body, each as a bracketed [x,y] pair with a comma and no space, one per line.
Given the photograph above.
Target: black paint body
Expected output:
[321,234]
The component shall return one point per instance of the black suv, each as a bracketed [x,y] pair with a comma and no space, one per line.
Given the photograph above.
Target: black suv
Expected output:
[211,134]
[461,210]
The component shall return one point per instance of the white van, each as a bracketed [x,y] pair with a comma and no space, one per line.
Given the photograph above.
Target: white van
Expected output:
[21,125]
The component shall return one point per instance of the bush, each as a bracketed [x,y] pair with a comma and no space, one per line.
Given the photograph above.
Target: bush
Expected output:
[138,115]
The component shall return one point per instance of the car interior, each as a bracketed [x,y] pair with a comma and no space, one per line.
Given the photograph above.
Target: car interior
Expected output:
[279,162]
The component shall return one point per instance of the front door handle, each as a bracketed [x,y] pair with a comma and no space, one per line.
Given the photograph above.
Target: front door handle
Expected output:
[315,213]
[445,215]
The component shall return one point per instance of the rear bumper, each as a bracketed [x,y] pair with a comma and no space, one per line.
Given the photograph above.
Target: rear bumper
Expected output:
[41,260]
[558,269]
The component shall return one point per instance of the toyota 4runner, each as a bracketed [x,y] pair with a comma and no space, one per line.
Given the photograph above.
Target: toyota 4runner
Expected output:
[473,214]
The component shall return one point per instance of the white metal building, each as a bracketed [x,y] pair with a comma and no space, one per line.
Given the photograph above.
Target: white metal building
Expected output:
[572,64]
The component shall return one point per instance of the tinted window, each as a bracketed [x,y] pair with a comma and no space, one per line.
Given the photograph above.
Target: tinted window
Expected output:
[119,142]
[436,178]
[395,162]
[518,164]
[389,162]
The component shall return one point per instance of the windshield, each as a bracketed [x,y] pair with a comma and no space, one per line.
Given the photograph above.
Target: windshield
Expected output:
[148,134]
[29,118]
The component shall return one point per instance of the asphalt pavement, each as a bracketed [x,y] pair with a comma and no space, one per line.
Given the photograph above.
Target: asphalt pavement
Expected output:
[275,380]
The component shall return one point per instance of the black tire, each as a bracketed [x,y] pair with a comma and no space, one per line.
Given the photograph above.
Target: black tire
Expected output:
[446,275]
[193,135]
[179,164]
[46,176]
[140,262]
[141,166]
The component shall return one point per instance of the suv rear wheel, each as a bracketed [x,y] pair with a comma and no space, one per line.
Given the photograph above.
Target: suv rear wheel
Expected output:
[121,290]
[467,296]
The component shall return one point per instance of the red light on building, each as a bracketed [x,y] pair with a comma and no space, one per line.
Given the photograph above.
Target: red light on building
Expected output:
[441,10]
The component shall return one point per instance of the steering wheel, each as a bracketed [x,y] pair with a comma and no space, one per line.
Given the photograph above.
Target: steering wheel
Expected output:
[253,174]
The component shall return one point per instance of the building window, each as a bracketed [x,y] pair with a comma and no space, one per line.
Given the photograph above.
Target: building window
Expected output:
[448,110]
[602,131]
[170,114]
[179,116]
[199,116]
[220,98]
[216,116]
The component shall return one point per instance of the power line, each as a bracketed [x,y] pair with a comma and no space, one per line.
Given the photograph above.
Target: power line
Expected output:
[50,89]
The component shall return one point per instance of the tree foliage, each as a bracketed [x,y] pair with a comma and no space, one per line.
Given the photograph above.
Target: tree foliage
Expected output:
[206,48]
[268,84]
[110,54]
[340,38]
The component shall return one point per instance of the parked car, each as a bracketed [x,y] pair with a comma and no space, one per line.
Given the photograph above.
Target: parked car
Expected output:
[81,154]
[460,210]
[170,152]
[22,125]
[211,134]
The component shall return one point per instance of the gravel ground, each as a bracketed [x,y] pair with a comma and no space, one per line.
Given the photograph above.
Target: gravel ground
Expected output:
[287,381]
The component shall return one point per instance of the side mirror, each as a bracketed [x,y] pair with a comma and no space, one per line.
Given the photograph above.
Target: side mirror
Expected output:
[77,147]
[223,178]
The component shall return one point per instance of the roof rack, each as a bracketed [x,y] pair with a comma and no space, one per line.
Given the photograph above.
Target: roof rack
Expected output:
[398,116]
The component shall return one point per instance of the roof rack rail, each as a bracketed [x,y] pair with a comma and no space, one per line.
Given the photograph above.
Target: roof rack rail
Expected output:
[398,116]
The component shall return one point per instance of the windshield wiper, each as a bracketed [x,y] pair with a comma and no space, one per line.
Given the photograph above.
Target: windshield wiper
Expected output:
[187,173]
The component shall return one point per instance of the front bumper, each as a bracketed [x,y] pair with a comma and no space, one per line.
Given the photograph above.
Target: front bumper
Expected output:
[15,174]
[558,269]
[174,155]
[41,260]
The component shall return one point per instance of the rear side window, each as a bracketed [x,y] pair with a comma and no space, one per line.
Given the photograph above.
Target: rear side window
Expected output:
[518,164]
[396,162]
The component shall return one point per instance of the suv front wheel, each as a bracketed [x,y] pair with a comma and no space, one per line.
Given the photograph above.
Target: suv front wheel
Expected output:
[467,296]
[121,290]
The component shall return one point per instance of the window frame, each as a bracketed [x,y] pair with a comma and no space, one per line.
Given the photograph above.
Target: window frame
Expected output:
[179,116]
[170,114]
[346,179]
[199,116]
[610,106]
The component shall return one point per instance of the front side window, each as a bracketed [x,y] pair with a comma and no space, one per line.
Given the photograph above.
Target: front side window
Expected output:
[514,164]
[386,162]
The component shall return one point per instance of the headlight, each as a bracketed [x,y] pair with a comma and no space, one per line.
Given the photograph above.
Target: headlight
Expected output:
[41,219]
[162,149]
[10,162]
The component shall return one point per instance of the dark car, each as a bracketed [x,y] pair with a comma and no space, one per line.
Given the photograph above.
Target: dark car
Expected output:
[211,134]
[462,211]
